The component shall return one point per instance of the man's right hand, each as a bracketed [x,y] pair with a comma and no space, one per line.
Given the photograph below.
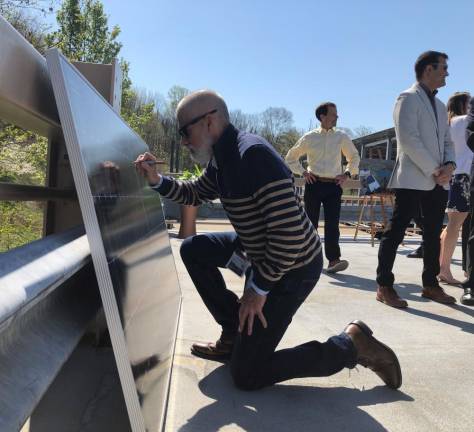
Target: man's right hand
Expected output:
[443,174]
[309,177]
[146,166]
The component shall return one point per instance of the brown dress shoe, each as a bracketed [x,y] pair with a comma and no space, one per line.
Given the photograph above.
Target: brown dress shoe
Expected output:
[389,296]
[337,266]
[437,294]
[219,350]
[375,355]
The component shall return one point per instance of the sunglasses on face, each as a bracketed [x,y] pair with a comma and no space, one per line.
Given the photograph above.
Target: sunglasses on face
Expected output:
[443,65]
[183,131]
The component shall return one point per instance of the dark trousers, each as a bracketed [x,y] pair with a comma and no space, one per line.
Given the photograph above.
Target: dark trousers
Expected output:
[329,195]
[469,283]
[407,204]
[466,227]
[254,362]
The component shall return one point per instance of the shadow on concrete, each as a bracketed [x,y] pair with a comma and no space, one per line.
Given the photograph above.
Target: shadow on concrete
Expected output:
[287,407]
[467,327]
[409,292]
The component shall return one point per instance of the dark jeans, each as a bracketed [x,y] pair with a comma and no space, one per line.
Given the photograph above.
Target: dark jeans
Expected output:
[329,195]
[466,226]
[255,363]
[407,204]
[469,283]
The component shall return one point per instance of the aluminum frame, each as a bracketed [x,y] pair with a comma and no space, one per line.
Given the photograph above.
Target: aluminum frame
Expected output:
[128,240]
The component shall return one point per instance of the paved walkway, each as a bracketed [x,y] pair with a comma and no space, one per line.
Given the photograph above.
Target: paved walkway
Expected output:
[434,342]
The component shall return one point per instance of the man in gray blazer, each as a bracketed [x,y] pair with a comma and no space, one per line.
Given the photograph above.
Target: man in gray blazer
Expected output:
[421,177]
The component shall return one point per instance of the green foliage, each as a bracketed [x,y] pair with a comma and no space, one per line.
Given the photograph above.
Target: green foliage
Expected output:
[191,174]
[9,6]
[22,153]
[23,161]
[22,156]
[83,33]
[22,223]
[30,27]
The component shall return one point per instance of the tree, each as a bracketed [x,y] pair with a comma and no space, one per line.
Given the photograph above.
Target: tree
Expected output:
[275,121]
[22,160]
[170,125]
[9,6]
[286,140]
[243,121]
[361,131]
[16,12]
[83,33]
[22,153]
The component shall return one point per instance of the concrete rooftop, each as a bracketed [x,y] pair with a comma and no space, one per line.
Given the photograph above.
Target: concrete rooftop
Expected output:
[434,342]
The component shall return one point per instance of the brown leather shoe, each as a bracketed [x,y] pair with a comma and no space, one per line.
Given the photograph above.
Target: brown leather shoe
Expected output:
[337,266]
[375,355]
[389,296]
[437,294]
[218,351]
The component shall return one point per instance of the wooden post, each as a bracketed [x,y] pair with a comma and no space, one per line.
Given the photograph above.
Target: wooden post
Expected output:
[361,213]
[187,226]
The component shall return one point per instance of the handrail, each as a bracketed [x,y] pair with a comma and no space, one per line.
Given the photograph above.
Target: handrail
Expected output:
[26,97]
[20,192]
[48,296]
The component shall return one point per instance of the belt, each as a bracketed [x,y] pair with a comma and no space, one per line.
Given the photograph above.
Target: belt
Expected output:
[326,179]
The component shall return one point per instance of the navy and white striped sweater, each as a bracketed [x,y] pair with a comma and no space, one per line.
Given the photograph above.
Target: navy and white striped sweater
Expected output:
[257,191]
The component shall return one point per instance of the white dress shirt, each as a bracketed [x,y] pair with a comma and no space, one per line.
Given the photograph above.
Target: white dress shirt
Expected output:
[323,149]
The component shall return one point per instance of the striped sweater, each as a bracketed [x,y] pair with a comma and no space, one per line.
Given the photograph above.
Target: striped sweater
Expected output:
[257,191]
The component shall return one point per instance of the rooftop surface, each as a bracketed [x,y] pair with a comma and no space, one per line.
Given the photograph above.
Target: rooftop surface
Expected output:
[434,342]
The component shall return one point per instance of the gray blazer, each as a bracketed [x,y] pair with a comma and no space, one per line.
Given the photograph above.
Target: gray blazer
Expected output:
[422,143]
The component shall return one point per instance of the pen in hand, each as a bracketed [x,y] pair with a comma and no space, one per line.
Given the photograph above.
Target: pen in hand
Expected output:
[149,162]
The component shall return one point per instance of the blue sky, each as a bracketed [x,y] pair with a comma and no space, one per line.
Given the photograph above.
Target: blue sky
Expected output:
[295,54]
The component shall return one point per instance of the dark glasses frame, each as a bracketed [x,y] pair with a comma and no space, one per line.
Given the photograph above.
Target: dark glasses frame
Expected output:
[444,65]
[183,131]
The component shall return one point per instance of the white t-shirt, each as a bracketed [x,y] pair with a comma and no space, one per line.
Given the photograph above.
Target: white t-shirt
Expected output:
[462,151]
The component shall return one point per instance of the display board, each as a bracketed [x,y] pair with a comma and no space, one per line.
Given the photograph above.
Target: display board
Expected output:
[128,240]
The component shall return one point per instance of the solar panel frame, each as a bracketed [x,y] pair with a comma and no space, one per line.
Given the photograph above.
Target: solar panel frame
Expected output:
[142,319]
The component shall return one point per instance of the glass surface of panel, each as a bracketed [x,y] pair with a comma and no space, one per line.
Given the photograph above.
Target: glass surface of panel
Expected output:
[129,242]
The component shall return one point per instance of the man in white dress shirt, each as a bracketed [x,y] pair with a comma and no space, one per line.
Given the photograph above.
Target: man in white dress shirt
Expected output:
[324,176]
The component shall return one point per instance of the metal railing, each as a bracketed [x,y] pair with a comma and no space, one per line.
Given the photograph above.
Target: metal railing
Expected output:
[48,290]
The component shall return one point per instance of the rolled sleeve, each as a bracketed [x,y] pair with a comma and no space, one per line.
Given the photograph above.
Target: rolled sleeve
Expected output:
[294,154]
[351,154]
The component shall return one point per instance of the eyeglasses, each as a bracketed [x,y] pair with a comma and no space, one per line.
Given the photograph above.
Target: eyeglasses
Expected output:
[444,65]
[183,131]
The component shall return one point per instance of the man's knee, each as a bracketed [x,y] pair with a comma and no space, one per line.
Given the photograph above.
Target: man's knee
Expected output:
[245,375]
[189,249]
[244,378]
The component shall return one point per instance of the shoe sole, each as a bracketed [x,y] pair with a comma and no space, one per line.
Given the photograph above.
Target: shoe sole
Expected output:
[369,333]
[391,305]
[439,301]
[338,267]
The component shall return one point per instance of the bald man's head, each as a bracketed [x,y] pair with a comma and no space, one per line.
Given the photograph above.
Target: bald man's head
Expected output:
[202,119]
[199,103]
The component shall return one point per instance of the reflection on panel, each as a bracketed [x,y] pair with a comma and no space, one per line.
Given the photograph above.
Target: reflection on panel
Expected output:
[128,240]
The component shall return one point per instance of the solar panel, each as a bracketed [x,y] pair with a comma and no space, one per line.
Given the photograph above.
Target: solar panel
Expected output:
[128,240]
